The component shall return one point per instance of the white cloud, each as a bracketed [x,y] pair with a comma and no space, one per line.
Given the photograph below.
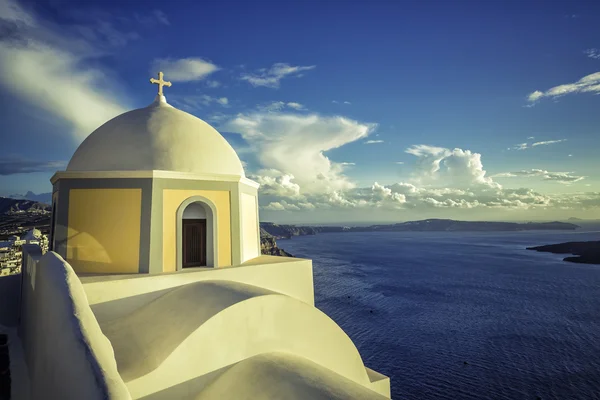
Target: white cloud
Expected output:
[593,53]
[161,17]
[587,84]
[295,106]
[212,84]
[454,168]
[525,146]
[271,77]
[296,144]
[400,162]
[531,137]
[347,102]
[184,69]
[347,163]
[47,66]
[277,106]
[444,179]
[197,102]
[560,177]
[373,141]
[547,142]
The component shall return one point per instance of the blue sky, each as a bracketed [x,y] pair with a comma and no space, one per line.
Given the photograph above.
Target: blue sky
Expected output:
[343,111]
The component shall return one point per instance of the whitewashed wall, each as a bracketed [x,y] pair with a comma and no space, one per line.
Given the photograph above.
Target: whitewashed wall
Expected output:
[68,356]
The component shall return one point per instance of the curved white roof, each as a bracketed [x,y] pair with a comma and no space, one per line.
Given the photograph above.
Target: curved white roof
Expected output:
[157,137]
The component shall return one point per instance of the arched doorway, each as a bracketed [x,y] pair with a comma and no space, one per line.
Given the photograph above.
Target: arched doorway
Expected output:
[196,234]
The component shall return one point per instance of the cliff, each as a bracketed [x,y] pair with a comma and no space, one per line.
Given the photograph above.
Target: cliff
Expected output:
[585,252]
[268,245]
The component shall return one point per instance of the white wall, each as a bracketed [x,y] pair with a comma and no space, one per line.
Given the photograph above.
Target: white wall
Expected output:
[68,356]
[115,298]
[250,243]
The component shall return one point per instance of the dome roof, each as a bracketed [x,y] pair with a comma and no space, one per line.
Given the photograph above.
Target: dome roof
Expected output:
[157,137]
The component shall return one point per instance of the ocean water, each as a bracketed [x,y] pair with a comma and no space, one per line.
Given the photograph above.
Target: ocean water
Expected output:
[418,305]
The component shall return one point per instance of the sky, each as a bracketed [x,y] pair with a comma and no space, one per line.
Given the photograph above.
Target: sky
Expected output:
[354,111]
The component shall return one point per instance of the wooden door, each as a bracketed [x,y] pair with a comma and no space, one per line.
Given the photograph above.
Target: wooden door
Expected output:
[194,243]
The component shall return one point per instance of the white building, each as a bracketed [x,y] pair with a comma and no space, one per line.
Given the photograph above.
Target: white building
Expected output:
[156,288]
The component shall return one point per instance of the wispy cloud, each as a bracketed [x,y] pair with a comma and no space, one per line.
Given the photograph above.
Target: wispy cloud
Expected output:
[341,102]
[399,162]
[347,163]
[525,146]
[48,67]
[183,69]
[547,142]
[271,77]
[277,106]
[347,102]
[373,141]
[197,102]
[593,53]
[212,84]
[295,106]
[587,84]
[15,165]
[560,177]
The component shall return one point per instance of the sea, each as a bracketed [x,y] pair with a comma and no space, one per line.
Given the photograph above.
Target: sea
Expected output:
[455,315]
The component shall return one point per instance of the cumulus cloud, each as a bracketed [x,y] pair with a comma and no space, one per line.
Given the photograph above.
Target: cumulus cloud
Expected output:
[47,66]
[272,76]
[296,145]
[561,177]
[458,167]
[17,165]
[587,84]
[183,69]
[443,178]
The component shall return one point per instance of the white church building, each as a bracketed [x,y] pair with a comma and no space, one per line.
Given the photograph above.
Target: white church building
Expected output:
[155,287]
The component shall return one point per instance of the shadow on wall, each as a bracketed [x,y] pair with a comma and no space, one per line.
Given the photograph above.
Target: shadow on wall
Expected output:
[89,255]
[10,299]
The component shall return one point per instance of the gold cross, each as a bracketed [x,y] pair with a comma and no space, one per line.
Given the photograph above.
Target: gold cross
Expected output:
[160,82]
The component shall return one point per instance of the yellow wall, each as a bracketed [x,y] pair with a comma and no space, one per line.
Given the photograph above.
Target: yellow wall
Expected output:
[249,227]
[172,199]
[104,230]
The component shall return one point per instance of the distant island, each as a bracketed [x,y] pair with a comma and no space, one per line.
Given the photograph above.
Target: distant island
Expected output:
[584,252]
[427,225]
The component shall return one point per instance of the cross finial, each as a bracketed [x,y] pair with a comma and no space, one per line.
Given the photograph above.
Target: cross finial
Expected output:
[160,82]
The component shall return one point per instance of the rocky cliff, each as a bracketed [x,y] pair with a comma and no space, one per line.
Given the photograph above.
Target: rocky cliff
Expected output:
[268,245]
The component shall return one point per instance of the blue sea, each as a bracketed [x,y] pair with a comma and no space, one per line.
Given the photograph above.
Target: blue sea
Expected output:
[451,315]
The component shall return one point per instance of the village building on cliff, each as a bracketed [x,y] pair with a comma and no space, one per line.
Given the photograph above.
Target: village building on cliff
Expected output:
[155,287]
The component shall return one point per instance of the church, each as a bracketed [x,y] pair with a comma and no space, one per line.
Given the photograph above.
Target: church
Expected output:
[155,287]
